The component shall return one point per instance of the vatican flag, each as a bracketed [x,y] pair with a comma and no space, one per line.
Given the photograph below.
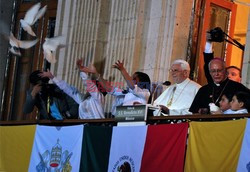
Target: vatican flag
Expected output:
[56,148]
[214,146]
[15,147]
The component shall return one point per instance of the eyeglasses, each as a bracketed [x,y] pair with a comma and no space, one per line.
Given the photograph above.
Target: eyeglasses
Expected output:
[174,70]
[213,71]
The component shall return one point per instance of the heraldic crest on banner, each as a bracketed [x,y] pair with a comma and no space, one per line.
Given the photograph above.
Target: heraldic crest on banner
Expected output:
[55,161]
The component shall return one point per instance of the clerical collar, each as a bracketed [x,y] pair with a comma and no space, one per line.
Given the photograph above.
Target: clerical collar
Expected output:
[221,83]
[183,83]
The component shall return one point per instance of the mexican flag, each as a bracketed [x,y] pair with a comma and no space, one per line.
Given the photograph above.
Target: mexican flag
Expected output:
[148,148]
[95,148]
[165,148]
[127,147]
[56,148]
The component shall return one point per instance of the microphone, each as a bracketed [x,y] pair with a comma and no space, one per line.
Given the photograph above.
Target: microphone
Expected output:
[166,83]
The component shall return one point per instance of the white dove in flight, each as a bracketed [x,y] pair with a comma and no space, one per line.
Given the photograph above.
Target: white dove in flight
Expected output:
[31,16]
[17,44]
[49,47]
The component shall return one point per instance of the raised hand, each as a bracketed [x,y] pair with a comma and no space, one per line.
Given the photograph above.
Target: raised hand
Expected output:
[47,74]
[79,63]
[90,69]
[80,66]
[119,65]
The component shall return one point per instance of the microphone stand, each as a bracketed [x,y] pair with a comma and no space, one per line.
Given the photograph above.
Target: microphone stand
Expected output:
[153,108]
[166,83]
[153,94]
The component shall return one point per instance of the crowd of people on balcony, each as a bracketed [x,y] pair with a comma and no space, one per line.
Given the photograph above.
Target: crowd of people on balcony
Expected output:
[223,93]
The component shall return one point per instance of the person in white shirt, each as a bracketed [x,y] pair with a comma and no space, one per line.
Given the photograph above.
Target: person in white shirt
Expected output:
[91,104]
[224,103]
[177,98]
[138,91]
[240,103]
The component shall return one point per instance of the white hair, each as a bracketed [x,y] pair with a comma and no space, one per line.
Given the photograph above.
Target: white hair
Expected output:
[216,59]
[184,64]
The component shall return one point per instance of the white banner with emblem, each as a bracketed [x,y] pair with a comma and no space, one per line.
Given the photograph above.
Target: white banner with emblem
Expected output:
[56,148]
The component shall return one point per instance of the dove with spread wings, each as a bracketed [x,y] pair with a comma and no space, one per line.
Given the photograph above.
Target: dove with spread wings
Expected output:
[17,44]
[31,16]
[14,42]
[49,47]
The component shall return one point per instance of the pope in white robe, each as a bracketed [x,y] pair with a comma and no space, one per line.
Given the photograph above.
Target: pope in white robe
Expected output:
[177,98]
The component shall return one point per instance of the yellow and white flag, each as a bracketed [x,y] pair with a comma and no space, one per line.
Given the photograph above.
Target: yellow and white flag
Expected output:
[15,147]
[214,146]
[56,148]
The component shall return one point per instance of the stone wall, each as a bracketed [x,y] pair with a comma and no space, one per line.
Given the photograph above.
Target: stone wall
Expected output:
[147,34]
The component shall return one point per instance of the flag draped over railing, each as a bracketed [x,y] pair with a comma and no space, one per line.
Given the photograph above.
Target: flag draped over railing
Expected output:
[214,146]
[165,148]
[56,148]
[210,146]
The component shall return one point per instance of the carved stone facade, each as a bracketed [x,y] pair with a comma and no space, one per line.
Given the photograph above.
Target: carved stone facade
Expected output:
[147,34]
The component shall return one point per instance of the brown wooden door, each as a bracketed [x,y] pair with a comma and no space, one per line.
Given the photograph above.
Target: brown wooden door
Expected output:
[216,13]
[19,68]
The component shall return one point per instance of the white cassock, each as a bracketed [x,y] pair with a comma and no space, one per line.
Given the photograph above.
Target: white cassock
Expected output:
[90,107]
[182,97]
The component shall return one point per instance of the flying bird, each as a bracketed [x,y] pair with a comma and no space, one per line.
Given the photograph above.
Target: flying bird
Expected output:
[17,44]
[31,16]
[49,47]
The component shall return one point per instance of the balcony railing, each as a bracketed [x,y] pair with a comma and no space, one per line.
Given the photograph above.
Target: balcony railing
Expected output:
[112,121]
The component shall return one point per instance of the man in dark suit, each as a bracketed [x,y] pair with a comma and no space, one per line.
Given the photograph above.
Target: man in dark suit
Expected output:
[213,91]
[51,102]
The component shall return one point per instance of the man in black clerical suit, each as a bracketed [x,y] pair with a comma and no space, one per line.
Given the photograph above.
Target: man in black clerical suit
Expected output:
[233,72]
[212,92]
